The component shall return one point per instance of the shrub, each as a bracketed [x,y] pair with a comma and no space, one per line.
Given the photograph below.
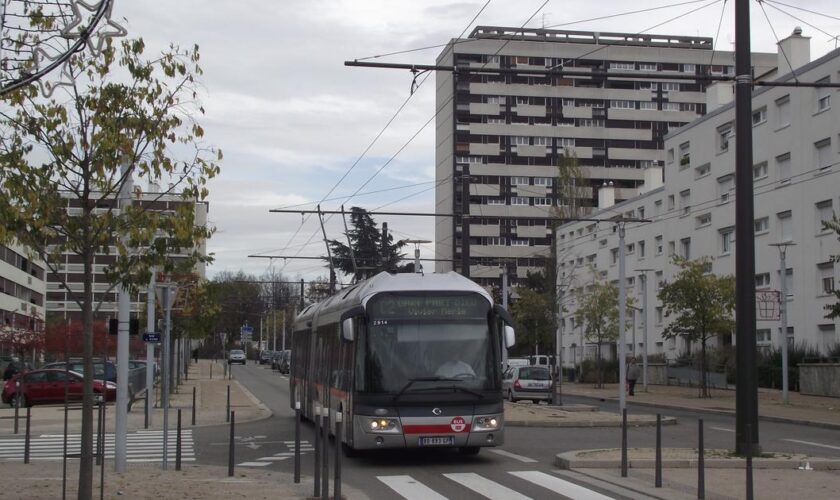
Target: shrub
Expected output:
[590,371]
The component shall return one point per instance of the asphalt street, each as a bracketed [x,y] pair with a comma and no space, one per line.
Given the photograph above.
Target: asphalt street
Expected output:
[523,466]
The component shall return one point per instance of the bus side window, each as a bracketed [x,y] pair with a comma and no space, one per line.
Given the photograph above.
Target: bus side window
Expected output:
[360,345]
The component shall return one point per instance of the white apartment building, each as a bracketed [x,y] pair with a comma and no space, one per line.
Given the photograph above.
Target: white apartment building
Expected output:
[500,136]
[60,300]
[22,289]
[796,136]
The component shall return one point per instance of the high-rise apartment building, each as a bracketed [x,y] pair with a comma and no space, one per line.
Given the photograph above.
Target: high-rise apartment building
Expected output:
[60,300]
[500,136]
[21,289]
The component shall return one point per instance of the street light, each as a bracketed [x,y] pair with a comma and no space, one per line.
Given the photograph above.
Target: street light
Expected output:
[644,272]
[783,313]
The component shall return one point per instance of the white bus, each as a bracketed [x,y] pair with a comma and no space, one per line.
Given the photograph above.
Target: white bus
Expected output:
[410,360]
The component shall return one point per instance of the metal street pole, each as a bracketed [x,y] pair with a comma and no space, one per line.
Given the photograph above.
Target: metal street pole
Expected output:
[783,311]
[167,367]
[645,327]
[622,299]
[557,396]
[505,305]
[746,392]
[124,306]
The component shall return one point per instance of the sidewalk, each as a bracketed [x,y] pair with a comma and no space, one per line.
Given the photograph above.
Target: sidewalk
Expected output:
[211,400]
[807,410]
[532,415]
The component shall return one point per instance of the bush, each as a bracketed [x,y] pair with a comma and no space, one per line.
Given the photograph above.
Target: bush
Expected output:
[590,371]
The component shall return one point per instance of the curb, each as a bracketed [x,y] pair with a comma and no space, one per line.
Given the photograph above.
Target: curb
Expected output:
[731,413]
[570,461]
[586,423]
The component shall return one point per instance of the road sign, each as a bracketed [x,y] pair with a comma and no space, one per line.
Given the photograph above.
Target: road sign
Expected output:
[245,333]
[151,337]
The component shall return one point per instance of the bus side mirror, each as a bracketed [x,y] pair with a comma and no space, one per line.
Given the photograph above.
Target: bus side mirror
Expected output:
[510,336]
[348,329]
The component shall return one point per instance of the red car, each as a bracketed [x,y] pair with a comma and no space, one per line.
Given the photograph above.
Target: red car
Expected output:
[47,386]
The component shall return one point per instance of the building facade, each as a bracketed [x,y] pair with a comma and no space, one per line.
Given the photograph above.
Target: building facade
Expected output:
[60,300]
[796,172]
[22,289]
[500,136]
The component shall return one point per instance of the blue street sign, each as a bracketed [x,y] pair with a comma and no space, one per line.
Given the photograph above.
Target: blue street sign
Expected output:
[151,337]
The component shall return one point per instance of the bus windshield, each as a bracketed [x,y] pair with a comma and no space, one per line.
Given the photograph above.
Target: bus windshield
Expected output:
[434,340]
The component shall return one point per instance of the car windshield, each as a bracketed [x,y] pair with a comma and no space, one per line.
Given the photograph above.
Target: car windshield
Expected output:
[235,351]
[428,339]
[534,373]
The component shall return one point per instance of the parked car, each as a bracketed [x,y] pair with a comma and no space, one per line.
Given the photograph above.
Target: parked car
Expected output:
[46,386]
[517,362]
[275,359]
[527,382]
[286,362]
[102,370]
[265,357]
[236,356]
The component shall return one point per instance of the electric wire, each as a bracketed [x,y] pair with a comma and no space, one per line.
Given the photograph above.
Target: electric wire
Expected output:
[717,33]
[832,37]
[781,48]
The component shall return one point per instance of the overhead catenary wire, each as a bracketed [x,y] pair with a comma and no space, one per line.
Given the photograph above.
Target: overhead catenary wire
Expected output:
[801,20]
[781,48]
[717,33]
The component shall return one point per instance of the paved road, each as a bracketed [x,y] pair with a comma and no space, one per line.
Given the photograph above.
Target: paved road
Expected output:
[522,468]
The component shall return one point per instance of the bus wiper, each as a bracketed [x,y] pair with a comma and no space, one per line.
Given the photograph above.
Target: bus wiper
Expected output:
[458,388]
[422,379]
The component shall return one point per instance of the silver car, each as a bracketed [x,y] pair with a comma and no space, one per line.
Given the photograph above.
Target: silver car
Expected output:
[527,382]
[236,356]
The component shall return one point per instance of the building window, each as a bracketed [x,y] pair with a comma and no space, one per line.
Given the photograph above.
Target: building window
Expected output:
[585,122]
[762,337]
[672,248]
[788,282]
[616,104]
[685,155]
[783,112]
[495,241]
[542,202]
[657,208]
[668,86]
[670,202]
[647,66]
[762,225]
[495,201]
[762,280]
[825,272]
[759,116]
[726,185]
[519,200]
[783,167]
[613,256]
[650,105]
[823,154]
[657,243]
[724,135]
[727,238]
[565,142]
[521,100]
[542,141]
[519,181]
[760,171]
[823,95]
[685,201]
[602,243]
[519,140]
[785,226]
[641,250]
[825,213]
[659,315]
[623,65]
[702,171]
[828,336]
[543,181]
[670,156]
[689,68]
[685,248]
[703,220]
[670,106]
[519,242]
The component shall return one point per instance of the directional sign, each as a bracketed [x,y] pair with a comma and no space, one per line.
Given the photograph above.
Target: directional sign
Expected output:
[245,333]
[151,337]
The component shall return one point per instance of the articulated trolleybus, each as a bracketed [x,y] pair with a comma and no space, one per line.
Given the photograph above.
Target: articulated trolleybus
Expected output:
[410,360]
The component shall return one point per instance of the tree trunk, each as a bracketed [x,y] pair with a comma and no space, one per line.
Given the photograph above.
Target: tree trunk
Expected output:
[86,446]
[600,367]
[703,385]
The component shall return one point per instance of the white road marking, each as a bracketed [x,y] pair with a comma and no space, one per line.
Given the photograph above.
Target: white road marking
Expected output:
[561,486]
[722,429]
[486,487]
[253,464]
[813,444]
[274,459]
[512,455]
[408,488]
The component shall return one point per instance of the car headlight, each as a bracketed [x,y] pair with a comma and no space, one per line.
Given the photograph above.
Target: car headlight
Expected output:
[488,423]
[383,425]
[110,385]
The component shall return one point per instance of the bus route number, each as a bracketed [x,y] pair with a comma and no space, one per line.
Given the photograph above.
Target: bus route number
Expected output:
[380,322]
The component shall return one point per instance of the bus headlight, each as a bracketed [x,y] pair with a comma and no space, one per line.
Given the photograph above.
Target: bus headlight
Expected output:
[488,423]
[383,425]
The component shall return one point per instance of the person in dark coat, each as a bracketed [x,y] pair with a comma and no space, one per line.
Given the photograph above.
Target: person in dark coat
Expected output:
[633,372]
[10,371]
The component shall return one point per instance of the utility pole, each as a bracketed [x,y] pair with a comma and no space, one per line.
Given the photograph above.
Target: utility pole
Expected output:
[645,327]
[622,300]
[505,305]
[150,346]
[465,221]
[783,310]
[123,318]
[557,396]
[746,392]
[167,368]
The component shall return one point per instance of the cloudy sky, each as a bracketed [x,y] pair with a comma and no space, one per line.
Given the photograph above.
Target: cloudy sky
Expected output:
[292,119]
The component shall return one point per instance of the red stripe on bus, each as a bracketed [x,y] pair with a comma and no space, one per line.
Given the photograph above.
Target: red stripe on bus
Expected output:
[432,429]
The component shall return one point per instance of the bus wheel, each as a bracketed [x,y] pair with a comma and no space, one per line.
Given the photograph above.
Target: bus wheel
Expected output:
[469,450]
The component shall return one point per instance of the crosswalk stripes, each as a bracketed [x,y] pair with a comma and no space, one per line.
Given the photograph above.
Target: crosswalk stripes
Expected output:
[411,489]
[305,447]
[141,446]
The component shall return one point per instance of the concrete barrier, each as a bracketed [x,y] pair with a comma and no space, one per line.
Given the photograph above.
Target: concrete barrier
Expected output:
[819,379]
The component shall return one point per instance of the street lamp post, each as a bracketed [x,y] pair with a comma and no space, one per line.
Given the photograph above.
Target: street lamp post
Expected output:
[784,313]
[622,300]
[645,327]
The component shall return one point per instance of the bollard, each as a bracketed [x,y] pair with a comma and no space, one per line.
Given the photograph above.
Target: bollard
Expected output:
[297,442]
[658,477]
[211,370]
[146,410]
[325,454]
[193,407]
[227,408]
[317,488]
[26,439]
[17,403]
[232,419]
[178,443]
[624,442]
[337,478]
[749,463]
[102,453]
[701,472]
[99,439]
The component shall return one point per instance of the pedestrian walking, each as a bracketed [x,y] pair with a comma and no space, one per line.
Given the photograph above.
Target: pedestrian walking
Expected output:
[11,370]
[633,372]
[195,354]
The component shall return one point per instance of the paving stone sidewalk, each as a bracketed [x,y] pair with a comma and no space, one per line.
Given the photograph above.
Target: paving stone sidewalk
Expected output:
[541,415]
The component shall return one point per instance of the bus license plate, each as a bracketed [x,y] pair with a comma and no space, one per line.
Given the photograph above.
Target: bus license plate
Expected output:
[437,441]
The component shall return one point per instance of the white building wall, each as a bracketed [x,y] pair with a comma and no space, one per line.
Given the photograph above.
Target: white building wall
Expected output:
[709,212]
[20,286]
